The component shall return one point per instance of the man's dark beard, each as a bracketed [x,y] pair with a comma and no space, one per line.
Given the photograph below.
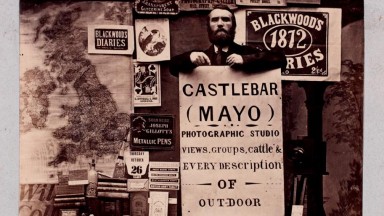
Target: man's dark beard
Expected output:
[221,37]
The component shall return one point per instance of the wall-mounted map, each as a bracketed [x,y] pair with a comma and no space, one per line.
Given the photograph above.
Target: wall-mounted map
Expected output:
[73,106]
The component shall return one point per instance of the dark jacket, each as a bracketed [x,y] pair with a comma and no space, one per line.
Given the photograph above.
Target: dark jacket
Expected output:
[254,59]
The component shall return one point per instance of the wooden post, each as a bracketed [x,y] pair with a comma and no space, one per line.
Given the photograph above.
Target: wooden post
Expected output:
[314,92]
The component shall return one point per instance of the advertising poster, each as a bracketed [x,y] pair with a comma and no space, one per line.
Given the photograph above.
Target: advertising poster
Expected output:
[262,2]
[231,142]
[151,131]
[191,5]
[146,86]
[111,39]
[152,40]
[310,39]
[161,7]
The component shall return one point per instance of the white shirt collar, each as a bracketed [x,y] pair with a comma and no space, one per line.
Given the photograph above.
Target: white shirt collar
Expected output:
[224,49]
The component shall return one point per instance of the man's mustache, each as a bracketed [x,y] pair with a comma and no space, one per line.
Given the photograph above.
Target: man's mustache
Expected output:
[221,30]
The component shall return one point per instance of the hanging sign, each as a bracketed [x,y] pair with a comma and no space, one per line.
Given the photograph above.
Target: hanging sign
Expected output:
[231,142]
[310,39]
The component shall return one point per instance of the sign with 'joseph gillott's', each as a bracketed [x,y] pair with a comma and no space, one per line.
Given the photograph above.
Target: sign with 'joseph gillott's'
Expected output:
[310,39]
[231,142]
[111,39]
[151,131]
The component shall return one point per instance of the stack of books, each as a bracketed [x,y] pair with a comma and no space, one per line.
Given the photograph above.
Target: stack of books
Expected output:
[112,187]
[68,196]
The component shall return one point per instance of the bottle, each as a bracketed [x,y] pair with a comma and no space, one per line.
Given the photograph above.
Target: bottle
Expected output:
[92,180]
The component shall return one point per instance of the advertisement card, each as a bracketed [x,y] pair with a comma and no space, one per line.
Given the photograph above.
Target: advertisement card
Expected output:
[152,40]
[161,7]
[310,39]
[151,131]
[110,39]
[146,86]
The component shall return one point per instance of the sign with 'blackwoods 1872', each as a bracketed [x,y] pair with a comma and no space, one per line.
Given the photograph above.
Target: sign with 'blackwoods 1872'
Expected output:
[310,40]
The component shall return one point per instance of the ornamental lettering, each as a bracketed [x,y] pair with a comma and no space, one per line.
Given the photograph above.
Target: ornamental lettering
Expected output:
[303,36]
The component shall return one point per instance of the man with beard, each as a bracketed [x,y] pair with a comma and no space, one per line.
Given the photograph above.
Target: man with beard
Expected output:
[221,25]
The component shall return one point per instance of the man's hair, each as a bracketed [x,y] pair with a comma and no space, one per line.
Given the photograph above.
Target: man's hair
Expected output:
[223,7]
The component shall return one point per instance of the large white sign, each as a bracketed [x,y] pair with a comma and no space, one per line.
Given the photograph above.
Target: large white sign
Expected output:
[231,142]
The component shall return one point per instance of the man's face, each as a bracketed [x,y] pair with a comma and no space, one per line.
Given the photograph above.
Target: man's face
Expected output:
[221,30]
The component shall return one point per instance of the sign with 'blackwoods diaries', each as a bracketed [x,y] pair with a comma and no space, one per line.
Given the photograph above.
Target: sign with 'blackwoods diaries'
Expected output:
[231,142]
[111,39]
[310,40]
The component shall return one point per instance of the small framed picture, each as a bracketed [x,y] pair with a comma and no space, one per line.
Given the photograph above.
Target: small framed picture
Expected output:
[69,212]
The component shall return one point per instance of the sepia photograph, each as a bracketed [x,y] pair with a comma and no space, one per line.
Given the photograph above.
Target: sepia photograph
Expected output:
[191,108]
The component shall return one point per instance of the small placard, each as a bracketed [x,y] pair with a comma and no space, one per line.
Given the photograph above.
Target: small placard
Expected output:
[69,212]
[111,39]
[261,2]
[192,5]
[304,2]
[152,131]
[160,166]
[158,204]
[297,210]
[166,7]
[163,175]
[164,186]
[139,204]
[138,185]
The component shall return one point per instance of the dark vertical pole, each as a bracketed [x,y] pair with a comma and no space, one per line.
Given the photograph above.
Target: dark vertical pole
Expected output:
[314,92]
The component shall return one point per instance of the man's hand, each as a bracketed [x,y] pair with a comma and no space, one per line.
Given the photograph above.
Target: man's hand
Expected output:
[199,58]
[235,59]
